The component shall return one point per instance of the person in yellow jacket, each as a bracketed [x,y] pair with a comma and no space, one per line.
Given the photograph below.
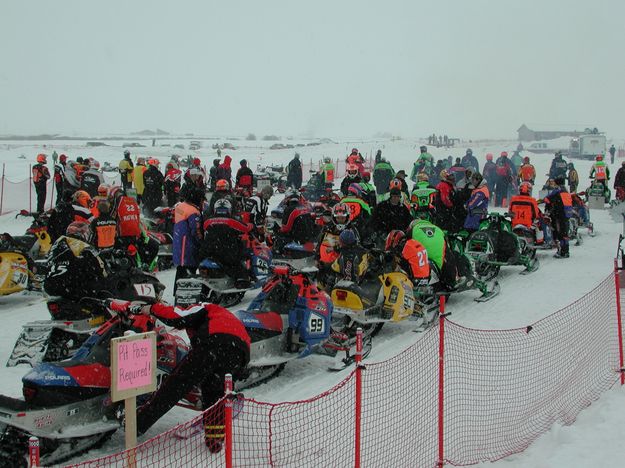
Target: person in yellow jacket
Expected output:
[126,169]
[137,177]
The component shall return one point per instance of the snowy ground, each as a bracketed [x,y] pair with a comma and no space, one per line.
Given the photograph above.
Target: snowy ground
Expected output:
[594,440]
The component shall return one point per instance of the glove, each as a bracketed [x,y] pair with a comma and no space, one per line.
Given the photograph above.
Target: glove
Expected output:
[139,309]
[117,305]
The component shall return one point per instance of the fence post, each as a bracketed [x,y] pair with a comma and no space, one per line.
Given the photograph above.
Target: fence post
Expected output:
[2,189]
[441,379]
[617,284]
[33,452]
[30,188]
[358,416]
[52,192]
[228,404]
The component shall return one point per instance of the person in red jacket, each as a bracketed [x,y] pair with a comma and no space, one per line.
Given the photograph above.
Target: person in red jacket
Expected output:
[171,185]
[245,178]
[444,201]
[220,345]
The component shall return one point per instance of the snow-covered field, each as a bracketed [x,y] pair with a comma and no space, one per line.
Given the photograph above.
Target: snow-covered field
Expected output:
[594,440]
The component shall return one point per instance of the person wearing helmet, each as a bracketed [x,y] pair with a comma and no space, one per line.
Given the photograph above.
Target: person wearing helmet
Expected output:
[152,187]
[41,174]
[353,261]
[245,178]
[383,173]
[104,226]
[477,206]
[188,235]
[355,158]
[137,178]
[91,179]
[422,196]
[468,160]
[444,201]
[370,196]
[572,178]
[525,211]
[558,166]
[389,215]
[619,182]
[327,171]
[327,245]
[126,168]
[458,171]
[226,241]
[424,163]
[559,205]
[490,174]
[504,178]
[294,174]
[410,256]
[82,207]
[257,207]
[222,191]
[527,172]
[171,183]
[359,209]
[600,171]
[352,175]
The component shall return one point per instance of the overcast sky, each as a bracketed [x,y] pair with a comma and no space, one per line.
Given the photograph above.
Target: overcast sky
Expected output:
[468,68]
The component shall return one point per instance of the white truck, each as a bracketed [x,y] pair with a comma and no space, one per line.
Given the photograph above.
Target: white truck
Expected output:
[587,146]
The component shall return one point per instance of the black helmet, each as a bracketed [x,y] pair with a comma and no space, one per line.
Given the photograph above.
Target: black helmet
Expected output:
[469,152]
[423,148]
[126,154]
[559,180]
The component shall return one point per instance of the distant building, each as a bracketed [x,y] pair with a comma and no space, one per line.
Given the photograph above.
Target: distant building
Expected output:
[525,134]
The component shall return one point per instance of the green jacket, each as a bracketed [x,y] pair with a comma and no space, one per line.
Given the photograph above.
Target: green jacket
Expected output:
[432,238]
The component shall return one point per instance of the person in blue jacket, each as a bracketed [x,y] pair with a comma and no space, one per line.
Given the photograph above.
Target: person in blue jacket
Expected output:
[477,206]
[187,235]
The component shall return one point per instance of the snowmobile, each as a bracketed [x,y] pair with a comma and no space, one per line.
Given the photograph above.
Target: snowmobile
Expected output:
[67,404]
[494,245]
[214,285]
[295,239]
[378,299]
[74,318]
[597,195]
[19,271]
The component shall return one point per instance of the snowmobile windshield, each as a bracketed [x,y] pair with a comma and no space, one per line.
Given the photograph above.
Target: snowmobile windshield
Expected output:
[281,298]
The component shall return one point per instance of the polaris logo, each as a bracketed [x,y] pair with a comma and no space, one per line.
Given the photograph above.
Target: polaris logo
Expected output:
[57,377]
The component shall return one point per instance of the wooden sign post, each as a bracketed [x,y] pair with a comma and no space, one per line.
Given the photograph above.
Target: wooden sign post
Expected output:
[133,372]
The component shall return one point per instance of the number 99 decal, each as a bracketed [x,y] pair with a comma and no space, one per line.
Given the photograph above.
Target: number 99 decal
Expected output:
[316,324]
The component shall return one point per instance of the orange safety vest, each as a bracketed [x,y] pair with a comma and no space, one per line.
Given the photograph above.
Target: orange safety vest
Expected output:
[525,210]
[105,234]
[417,257]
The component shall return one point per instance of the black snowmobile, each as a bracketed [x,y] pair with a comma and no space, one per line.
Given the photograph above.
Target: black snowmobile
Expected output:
[74,318]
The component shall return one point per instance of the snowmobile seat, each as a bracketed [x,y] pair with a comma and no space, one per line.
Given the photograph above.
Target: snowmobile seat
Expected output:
[368,291]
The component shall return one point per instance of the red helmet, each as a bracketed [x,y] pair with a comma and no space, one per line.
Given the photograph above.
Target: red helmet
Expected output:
[525,188]
[526,160]
[395,183]
[197,162]
[356,190]
[82,198]
[153,162]
[354,150]
[41,158]
[62,158]
[352,171]
[504,153]
[394,239]
[79,230]
[489,156]
[366,176]
[222,185]
[340,215]
[599,157]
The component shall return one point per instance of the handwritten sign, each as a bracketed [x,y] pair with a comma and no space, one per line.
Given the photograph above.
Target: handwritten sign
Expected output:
[133,365]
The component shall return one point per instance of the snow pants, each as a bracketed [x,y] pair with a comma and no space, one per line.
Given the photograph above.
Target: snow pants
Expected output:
[561,234]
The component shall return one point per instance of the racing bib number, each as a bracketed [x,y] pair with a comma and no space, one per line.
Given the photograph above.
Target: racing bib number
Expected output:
[20,278]
[145,290]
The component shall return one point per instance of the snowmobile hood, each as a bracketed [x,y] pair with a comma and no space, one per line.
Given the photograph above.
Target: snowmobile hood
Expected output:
[55,375]
[262,320]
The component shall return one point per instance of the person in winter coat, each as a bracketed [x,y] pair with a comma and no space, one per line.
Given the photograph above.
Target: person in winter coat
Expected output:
[171,183]
[328,172]
[187,235]
[220,345]
[490,173]
[505,174]
[458,171]
[612,153]
[477,206]
[573,178]
[410,255]
[600,171]
[352,176]
[378,157]
[103,227]
[558,166]
[245,178]
[126,168]
[62,216]
[619,182]
[91,179]
[389,215]
[41,174]
[82,207]
[435,176]
[470,161]
[559,204]
[401,176]
[212,174]
[527,172]
[444,202]
[294,173]
[224,171]
[59,177]
[137,177]
[383,173]
[424,163]
[195,165]
[153,187]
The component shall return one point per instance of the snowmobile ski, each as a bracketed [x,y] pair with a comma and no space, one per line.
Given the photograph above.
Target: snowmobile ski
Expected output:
[489,290]
[532,267]
[345,352]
